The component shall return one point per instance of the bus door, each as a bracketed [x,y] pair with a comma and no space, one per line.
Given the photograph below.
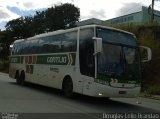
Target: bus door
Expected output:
[87,65]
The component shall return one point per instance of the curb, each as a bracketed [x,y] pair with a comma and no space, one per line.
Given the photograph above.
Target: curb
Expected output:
[155,97]
[2,73]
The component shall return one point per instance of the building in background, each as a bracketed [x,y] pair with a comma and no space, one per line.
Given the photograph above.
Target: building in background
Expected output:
[141,17]
[89,22]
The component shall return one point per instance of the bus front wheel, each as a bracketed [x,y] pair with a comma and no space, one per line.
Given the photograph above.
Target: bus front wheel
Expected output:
[68,87]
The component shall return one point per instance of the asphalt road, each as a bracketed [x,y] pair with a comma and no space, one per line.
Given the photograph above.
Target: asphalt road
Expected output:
[34,101]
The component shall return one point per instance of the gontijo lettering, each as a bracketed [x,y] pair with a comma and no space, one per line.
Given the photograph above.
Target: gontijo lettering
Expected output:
[62,59]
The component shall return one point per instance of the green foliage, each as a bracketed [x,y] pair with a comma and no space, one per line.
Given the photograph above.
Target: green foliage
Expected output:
[19,28]
[4,44]
[59,17]
[3,36]
[4,66]
[38,23]
[153,90]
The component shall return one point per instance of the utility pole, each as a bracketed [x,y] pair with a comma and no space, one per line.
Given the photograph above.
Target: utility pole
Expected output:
[152,12]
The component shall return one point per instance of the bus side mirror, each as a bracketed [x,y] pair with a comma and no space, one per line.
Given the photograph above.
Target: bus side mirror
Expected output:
[97,45]
[11,48]
[146,53]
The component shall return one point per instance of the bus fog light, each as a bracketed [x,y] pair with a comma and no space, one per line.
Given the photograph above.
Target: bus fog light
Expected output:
[100,94]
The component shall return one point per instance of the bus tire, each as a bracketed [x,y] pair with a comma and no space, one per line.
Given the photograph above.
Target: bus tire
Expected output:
[17,77]
[68,87]
[22,78]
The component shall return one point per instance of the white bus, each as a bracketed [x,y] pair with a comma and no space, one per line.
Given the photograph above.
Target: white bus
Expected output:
[91,60]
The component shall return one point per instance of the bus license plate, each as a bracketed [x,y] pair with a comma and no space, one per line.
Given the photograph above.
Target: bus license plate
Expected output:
[122,92]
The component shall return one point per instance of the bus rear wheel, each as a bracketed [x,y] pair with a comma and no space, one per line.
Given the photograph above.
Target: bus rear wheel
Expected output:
[22,78]
[17,78]
[68,87]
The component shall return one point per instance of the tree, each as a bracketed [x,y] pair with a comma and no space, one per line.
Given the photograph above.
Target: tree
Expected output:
[4,44]
[58,17]
[38,23]
[20,27]
[62,17]
[15,29]
[71,15]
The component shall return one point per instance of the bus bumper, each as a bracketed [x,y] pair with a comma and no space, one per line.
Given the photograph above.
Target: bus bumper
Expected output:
[101,90]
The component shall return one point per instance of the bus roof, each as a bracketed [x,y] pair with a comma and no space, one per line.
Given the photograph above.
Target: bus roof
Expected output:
[19,40]
[69,30]
[106,27]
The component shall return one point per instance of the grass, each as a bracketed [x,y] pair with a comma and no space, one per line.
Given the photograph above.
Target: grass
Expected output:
[150,88]
[153,90]
[4,66]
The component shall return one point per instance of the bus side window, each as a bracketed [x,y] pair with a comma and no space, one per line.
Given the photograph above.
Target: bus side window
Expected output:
[69,42]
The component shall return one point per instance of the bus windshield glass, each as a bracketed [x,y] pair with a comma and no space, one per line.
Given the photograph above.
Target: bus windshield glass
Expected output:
[120,57]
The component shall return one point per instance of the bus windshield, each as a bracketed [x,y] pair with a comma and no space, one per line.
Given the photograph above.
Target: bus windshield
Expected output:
[120,57]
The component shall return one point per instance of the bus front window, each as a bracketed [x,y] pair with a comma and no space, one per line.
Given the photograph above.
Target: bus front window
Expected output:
[108,60]
[118,62]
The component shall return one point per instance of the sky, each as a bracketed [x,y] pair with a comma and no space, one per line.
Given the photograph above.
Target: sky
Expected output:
[100,9]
